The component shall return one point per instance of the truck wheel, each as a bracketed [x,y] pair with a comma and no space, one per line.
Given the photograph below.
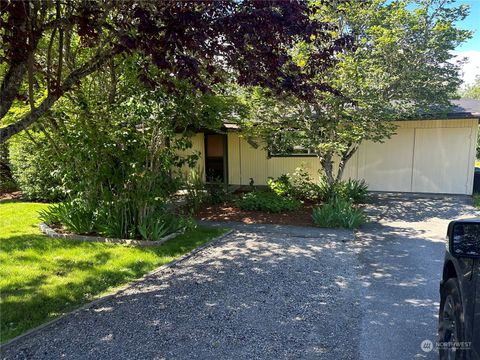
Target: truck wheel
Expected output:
[451,323]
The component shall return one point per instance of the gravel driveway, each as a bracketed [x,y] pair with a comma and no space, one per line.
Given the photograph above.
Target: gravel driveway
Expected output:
[402,259]
[274,293]
[277,292]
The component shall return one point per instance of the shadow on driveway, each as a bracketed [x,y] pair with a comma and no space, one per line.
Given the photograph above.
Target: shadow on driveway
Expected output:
[251,296]
[401,252]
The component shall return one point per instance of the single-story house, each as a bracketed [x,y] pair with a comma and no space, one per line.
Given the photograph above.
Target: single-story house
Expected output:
[428,155]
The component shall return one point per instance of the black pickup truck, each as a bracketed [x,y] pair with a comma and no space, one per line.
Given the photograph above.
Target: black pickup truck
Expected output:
[459,317]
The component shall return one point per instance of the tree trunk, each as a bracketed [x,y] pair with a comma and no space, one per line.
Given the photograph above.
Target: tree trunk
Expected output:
[326,161]
[327,164]
[10,85]
[344,160]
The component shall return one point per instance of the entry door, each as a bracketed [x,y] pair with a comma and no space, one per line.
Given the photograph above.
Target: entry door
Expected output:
[216,157]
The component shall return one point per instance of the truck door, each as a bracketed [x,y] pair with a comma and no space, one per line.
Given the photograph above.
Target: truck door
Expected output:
[476,313]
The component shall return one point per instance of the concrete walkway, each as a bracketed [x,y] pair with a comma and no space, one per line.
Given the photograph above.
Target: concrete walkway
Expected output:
[257,294]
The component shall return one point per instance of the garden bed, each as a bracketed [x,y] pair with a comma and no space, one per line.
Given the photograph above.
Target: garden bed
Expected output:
[15,195]
[41,278]
[228,212]
[62,234]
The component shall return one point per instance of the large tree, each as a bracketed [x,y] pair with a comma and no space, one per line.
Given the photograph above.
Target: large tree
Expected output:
[399,68]
[48,47]
[472,91]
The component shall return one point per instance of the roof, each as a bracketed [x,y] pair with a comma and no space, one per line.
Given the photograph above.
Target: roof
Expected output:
[465,108]
[461,109]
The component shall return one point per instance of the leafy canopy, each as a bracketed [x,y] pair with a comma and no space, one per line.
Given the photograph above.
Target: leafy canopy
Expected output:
[50,46]
[399,68]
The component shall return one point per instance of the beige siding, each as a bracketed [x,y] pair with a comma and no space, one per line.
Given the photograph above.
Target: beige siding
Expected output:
[233,141]
[428,124]
[253,164]
[434,156]
[198,147]
[283,165]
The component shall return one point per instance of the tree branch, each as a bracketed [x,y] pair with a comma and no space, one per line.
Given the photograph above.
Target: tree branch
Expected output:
[49,60]
[10,85]
[60,47]
[73,78]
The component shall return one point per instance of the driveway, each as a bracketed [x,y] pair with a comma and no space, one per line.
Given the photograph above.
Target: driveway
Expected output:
[402,258]
[266,292]
[277,292]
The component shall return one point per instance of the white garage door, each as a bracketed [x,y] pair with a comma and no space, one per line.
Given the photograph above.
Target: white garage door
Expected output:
[441,160]
[388,166]
[430,159]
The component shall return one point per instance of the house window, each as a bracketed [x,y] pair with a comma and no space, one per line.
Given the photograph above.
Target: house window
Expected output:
[289,143]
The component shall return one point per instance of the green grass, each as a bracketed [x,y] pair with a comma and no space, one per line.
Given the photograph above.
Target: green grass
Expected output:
[42,278]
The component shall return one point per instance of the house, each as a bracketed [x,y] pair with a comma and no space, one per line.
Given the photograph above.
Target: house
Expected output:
[428,155]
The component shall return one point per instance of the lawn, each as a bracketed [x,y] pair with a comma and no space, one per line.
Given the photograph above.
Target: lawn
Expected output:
[42,278]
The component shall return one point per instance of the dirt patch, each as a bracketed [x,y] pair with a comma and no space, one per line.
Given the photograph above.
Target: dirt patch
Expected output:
[227,212]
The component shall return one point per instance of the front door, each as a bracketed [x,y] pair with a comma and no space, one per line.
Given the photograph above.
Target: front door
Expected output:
[216,157]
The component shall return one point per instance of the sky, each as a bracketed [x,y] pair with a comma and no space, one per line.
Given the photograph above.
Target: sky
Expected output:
[470,48]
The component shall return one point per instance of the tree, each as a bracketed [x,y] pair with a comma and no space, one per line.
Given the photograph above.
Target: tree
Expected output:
[472,91]
[399,68]
[50,46]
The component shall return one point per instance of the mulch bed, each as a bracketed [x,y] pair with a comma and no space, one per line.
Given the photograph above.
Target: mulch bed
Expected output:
[16,195]
[227,212]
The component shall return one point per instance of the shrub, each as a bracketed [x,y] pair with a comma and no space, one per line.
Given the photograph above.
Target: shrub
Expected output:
[356,190]
[353,190]
[268,201]
[34,168]
[113,220]
[476,200]
[303,186]
[7,184]
[196,194]
[339,213]
[158,224]
[329,191]
[281,185]
[298,185]
[217,193]
[75,215]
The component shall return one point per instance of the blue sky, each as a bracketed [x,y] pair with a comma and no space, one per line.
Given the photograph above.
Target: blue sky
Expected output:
[472,22]
[471,48]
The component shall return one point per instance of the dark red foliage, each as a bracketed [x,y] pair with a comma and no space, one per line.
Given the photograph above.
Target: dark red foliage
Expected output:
[199,41]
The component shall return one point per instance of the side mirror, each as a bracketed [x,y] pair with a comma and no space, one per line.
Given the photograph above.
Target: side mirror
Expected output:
[464,238]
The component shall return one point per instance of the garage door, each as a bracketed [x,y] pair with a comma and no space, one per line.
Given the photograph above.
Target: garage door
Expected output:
[441,160]
[388,166]
[420,159]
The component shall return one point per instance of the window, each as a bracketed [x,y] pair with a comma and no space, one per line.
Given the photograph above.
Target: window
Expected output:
[289,143]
